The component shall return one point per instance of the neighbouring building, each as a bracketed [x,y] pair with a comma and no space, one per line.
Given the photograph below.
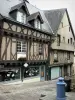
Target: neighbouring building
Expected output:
[62,54]
[42,39]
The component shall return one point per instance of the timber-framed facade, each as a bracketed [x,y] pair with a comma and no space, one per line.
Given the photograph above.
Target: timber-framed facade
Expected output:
[10,33]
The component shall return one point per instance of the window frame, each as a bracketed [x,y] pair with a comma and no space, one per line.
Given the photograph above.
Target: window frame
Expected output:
[62,24]
[37,24]
[68,55]
[71,40]
[58,39]
[22,48]
[63,39]
[22,17]
[41,49]
[69,28]
[55,56]
[68,41]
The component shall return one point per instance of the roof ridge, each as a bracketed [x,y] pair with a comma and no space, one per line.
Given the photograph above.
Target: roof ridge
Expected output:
[56,9]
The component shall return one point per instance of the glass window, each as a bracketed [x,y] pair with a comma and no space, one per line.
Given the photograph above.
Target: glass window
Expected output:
[68,55]
[61,24]
[69,29]
[71,40]
[55,56]
[58,40]
[68,41]
[31,72]
[64,39]
[40,49]
[21,46]
[37,24]
[21,17]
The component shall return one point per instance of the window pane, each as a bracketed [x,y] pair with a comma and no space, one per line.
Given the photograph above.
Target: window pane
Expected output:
[58,40]
[21,17]
[40,49]
[21,46]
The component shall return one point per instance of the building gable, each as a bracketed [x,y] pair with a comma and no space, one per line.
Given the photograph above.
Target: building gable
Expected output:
[65,29]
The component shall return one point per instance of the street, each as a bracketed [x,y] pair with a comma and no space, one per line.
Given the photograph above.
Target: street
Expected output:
[31,91]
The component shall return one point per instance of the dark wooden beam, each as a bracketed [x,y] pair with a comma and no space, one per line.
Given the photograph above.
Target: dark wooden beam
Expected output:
[27,44]
[5,48]
[10,48]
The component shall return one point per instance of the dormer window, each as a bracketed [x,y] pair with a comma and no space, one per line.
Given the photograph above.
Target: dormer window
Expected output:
[37,24]
[19,12]
[21,17]
[35,20]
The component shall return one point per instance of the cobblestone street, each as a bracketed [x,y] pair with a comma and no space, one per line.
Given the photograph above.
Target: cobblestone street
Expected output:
[31,91]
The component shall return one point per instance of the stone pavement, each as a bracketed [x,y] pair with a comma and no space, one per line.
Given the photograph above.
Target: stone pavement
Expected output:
[31,91]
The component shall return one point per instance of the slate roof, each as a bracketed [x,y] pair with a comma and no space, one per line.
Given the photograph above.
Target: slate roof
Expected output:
[34,16]
[18,6]
[9,5]
[5,6]
[45,26]
[54,18]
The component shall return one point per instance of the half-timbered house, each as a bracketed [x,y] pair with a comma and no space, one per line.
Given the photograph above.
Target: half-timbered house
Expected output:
[23,39]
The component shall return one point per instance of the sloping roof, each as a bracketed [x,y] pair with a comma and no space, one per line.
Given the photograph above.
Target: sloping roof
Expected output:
[70,24]
[18,6]
[45,26]
[54,18]
[5,6]
[34,16]
[10,5]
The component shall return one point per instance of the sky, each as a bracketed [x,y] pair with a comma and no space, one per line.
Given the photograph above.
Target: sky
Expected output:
[56,4]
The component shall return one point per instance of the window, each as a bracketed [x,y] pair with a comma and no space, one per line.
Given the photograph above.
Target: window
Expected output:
[71,40]
[68,55]
[58,40]
[21,47]
[64,39]
[40,49]
[68,41]
[37,24]
[69,28]
[21,17]
[55,56]
[61,24]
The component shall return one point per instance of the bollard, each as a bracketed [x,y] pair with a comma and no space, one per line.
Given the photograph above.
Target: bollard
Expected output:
[61,89]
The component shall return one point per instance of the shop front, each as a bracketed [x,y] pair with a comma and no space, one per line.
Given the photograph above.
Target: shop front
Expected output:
[20,72]
[8,74]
